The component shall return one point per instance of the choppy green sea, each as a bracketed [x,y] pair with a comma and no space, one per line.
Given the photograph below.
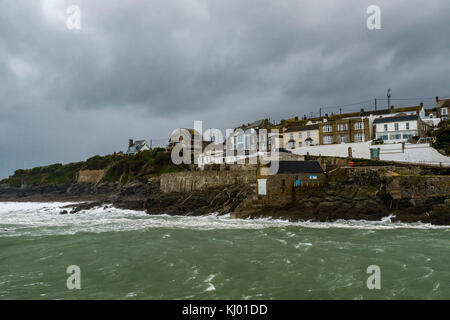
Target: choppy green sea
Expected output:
[131,255]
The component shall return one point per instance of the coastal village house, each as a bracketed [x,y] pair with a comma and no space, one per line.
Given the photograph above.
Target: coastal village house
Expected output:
[246,137]
[357,129]
[399,128]
[291,180]
[135,147]
[304,136]
[442,108]
[187,137]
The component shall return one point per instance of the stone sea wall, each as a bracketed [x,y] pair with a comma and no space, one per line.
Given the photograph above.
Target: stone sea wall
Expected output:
[90,176]
[201,180]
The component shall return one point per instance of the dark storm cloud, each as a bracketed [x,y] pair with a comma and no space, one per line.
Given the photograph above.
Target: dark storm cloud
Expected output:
[142,68]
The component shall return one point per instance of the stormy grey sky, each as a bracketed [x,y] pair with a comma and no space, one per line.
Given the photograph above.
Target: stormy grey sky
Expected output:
[141,68]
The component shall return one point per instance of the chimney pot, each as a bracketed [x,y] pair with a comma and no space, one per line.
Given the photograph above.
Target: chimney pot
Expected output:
[362,110]
[392,108]
[130,142]
[326,115]
[437,99]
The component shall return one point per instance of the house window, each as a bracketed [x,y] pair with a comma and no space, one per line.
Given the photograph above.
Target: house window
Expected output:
[291,144]
[396,136]
[396,126]
[299,144]
[308,143]
[444,111]
[300,135]
[309,134]
[385,127]
[291,136]
[407,126]
[383,137]
[359,137]
[327,139]
[342,138]
[359,125]
[327,128]
[342,127]
[407,136]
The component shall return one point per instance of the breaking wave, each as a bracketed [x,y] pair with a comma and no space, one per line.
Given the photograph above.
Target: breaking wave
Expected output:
[44,218]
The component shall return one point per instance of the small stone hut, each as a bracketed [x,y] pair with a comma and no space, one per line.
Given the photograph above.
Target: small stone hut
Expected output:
[290,180]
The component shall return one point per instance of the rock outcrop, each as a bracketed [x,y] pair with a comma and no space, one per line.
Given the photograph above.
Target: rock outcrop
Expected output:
[369,193]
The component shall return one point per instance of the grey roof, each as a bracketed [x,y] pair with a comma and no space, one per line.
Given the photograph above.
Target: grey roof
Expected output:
[311,166]
[303,128]
[257,123]
[396,119]
[376,112]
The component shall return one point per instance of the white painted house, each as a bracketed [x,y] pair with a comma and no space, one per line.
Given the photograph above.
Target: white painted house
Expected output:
[398,129]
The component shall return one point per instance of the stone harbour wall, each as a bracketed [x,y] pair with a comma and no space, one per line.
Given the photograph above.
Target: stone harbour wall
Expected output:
[201,180]
[90,176]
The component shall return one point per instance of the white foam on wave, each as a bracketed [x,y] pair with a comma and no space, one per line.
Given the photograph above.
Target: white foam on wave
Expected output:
[44,219]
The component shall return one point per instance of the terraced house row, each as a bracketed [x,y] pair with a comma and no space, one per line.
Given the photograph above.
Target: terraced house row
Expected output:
[393,125]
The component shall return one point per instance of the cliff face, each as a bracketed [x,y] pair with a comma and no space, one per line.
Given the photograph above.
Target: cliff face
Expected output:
[370,193]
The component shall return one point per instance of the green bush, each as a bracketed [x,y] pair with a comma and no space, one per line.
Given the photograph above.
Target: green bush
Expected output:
[121,168]
[442,137]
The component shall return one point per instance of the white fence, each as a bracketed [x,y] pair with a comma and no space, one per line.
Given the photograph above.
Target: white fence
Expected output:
[421,153]
[358,149]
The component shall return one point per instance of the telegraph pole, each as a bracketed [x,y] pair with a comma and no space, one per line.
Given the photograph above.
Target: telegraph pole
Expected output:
[375,104]
[389,98]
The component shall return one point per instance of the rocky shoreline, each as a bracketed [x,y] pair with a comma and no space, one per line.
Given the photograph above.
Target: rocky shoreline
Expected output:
[357,194]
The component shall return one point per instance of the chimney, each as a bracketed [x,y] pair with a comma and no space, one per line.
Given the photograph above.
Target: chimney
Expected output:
[392,108]
[130,143]
[421,103]
[326,115]
[437,99]
[362,110]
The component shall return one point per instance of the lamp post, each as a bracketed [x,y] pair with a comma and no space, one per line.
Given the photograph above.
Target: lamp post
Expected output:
[389,98]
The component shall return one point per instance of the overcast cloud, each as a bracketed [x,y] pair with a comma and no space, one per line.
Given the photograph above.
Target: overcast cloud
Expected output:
[141,68]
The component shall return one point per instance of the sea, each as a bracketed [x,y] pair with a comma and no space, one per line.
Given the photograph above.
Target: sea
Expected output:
[109,253]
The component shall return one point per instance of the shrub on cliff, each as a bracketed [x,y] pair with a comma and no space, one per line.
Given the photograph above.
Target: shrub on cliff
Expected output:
[443,137]
[121,168]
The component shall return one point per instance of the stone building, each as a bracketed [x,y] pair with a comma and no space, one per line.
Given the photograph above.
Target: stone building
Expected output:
[291,180]
[357,129]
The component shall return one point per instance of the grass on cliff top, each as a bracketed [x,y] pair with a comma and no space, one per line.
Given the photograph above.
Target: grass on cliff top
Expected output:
[122,168]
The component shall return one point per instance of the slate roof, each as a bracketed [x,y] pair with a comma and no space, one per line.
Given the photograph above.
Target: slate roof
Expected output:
[397,119]
[137,146]
[311,166]
[303,128]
